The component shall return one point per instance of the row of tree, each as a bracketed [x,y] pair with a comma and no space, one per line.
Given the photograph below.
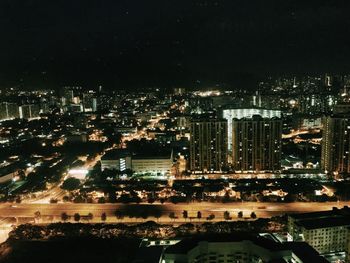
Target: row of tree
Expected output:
[119,214]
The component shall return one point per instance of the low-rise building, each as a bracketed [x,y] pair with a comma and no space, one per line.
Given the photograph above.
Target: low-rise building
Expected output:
[119,159]
[347,252]
[153,164]
[326,231]
[239,248]
[8,173]
[148,163]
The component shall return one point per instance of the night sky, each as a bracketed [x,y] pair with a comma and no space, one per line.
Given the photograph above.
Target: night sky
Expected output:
[127,43]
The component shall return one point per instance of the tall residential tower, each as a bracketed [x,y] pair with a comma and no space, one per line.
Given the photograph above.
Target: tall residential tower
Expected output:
[335,157]
[208,145]
[256,144]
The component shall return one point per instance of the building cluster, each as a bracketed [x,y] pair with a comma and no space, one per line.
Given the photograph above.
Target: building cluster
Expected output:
[283,125]
[244,140]
[13,111]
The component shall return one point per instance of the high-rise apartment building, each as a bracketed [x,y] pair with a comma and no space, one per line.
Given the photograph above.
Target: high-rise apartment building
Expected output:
[67,96]
[29,111]
[8,111]
[239,113]
[335,156]
[256,144]
[208,145]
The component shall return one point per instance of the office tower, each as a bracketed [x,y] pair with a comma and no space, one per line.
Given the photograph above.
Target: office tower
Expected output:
[328,81]
[67,96]
[94,104]
[315,104]
[208,145]
[256,144]
[335,157]
[257,99]
[104,102]
[88,101]
[201,105]
[240,113]
[3,111]
[12,110]
[179,91]
[24,112]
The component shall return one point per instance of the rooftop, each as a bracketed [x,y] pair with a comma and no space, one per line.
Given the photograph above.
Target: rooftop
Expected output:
[335,212]
[324,222]
[116,154]
[151,154]
[301,249]
[161,154]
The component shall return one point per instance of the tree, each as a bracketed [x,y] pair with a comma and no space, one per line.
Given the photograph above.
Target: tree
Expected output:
[128,172]
[240,214]
[71,184]
[64,217]
[90,216]
[253,215]
[37,215]
[172,215]
[18,200]
[76,217]
[211,217]
[199,215]
[79,199]
[103,217]
[118,214]
[53,201]
[226,197]
[185,214]
[227,215]
[157,214]
[151,200]
[143,214]
[101,200]
[112,197]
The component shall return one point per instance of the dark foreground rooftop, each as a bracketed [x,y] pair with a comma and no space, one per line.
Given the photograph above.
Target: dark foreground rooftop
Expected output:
[301,249]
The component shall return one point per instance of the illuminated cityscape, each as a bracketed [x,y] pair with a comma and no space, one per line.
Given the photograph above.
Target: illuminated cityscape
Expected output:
[173,132]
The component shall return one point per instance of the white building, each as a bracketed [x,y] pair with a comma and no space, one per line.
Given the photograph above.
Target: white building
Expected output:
[122,160]
[8,111]
[119,160]
[8,173]
[29,111]
[326,231]
[230,114]
[157,165]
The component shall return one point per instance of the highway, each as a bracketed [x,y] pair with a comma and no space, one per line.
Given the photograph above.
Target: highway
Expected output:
[261,209]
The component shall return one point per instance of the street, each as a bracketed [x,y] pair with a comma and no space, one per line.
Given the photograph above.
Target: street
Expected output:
[262,210]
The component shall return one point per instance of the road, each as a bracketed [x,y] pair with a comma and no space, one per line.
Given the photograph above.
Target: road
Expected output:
[261,209]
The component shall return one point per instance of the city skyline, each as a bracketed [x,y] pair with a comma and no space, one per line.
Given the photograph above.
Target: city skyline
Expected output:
[127,44]
[187,131]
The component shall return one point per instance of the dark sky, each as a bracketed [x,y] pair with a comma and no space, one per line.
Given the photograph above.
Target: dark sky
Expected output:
[125,43]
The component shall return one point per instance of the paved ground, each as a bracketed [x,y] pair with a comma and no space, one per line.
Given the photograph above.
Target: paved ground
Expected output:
[261,209]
